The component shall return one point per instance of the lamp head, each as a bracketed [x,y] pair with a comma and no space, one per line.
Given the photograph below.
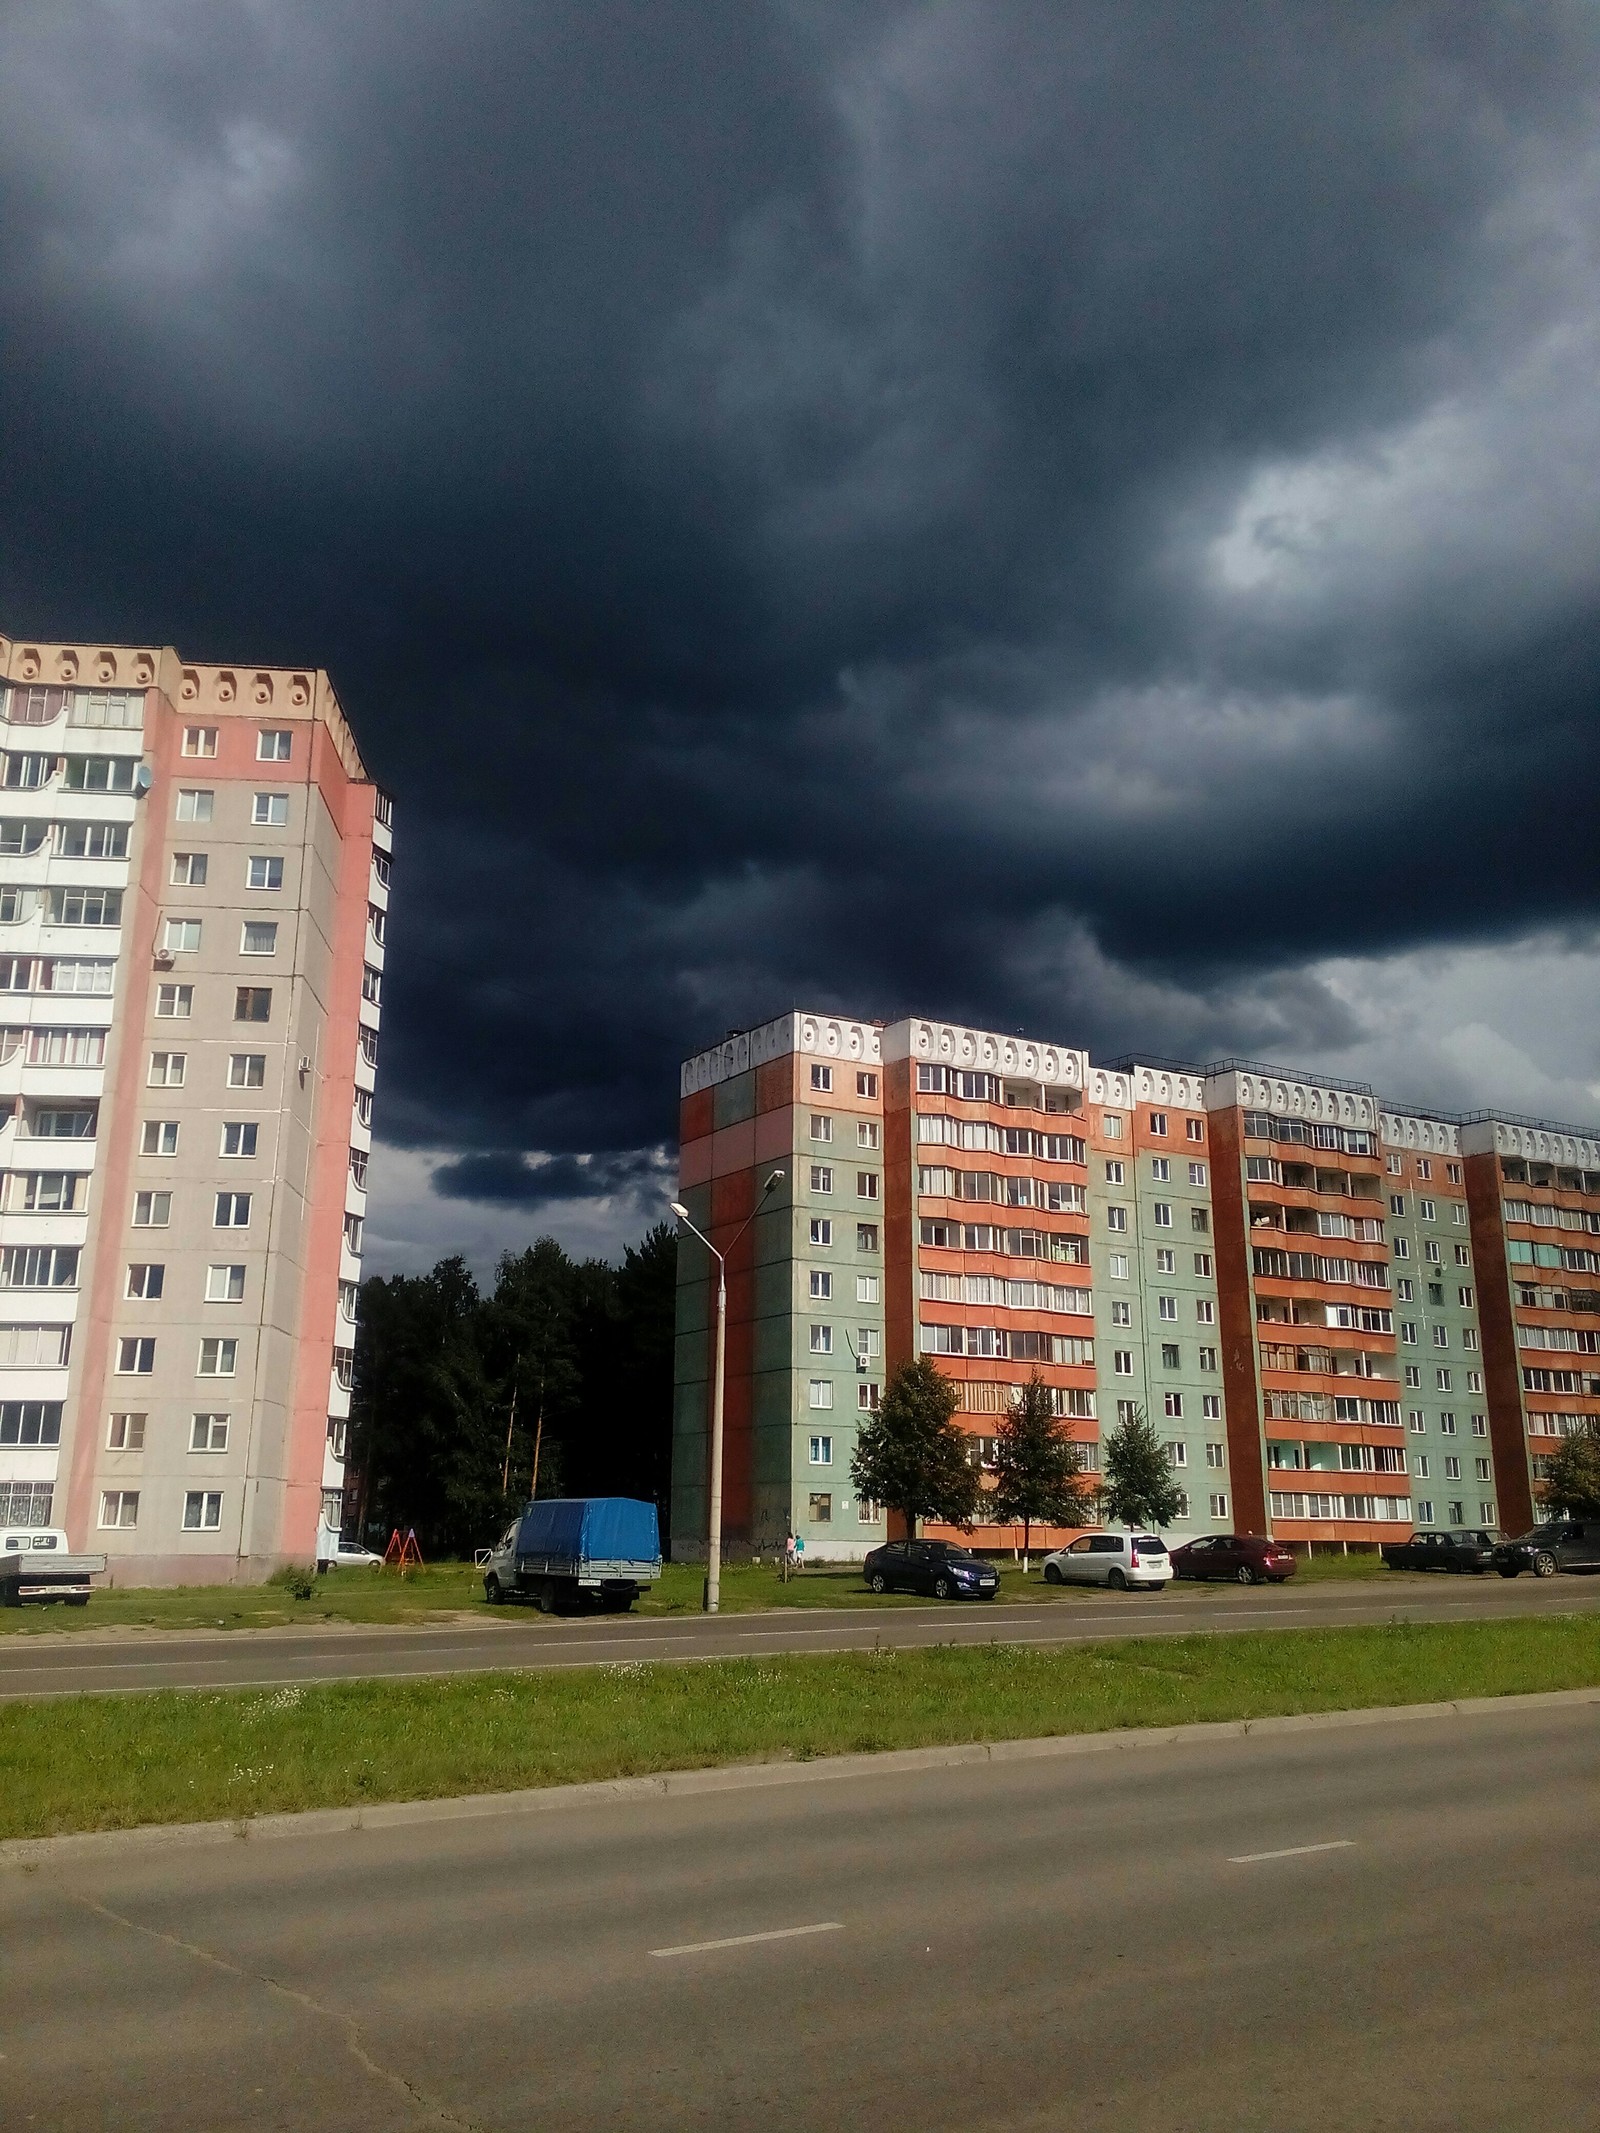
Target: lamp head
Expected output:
[680,1210]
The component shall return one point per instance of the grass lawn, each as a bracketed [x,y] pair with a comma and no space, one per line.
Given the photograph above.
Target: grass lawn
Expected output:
[454,1588]
[114,1761]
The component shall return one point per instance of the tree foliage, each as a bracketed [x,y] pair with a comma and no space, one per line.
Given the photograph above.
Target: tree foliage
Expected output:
[1572,1480]
[911,1456]
[1039,1476]
[455,1388]
[1138,1488]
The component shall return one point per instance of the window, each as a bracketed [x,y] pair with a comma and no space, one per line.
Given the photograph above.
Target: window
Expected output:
[821,1282]
[1441,1336]
[174,1003]
[1424,1169]
[1419,1465]
[866,1288]
[1413,1376]
[1167,1307]
[1162,1212]
[1447,1424]
[1431,1250]
[1441,1380]
[866,1184]
[1424,1510]
[34,1348]
[1480,1425]
[145,1282]
[821,1230]
[159,1136]
[821,1126]
[259,936]
[1205,1311]
[195,806]
[82,907]
[1408,1332]
[1117,1266]
[368,1039]
[1115,1174]
[188,870]
[270,810]
[821,1508]
[1486,1510]
[232,1210]
[247,1070]
[1208,1358]
[274,745]
[199,740]
[866,1133]
[1166,1261]
[180,936]
[1199,1218]
[47,1192]
[1172,1404]
[1480,1469]
[152,1210]
[822,1340]
[1455,1513]
[1122,1362]
[820,1392]
[39,1266]
[1474,1381]
[252,1003]
[822,1451]
[1160,1169]
[119,1507]
[338,1436]
[125,1433]
[1195,1129]
[98,773]
[1202,1264]
[1197,1173]
[821,1177]
[29,771]
[1211,1406]
[167,1070]
[1122,1314]
[239,1136]
[867,1398]
[98,840]
[1216,1455]
[1169,1355]
[1452,1469]
[1158,1124]
[208,1433]
[218,1358]
[822,1078]
[224,1284]
[1219,1506]
[136,1355]
[371,985]
[866,1084]
[202,1510]
[1414,1421]
[1116,1218]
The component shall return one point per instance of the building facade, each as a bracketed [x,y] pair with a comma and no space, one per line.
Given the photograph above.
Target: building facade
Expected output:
[1327,1307]
[193,892]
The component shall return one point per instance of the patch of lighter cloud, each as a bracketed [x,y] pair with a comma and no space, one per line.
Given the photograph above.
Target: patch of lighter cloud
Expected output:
[192,225]
[411,1226]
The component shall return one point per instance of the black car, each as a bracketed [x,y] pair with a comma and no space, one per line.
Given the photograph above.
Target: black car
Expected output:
[1563,1544]
[942,1568]
[1467,1552]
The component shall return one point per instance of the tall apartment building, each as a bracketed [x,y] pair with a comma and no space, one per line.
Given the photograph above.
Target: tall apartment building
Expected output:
[193,884]
[1325,1305]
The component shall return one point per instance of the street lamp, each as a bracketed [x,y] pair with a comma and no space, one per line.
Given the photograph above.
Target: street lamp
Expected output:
[713,1590]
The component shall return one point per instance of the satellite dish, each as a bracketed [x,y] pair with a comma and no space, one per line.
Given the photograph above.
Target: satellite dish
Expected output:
[143,778]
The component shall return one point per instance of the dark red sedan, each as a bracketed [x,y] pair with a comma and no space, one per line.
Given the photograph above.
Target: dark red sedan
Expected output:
[1244,1557]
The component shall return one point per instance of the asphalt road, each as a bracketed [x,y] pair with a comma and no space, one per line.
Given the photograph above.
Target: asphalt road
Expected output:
[1386,1927]
[87,1661]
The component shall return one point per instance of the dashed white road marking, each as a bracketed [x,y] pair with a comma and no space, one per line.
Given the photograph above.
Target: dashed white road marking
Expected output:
[744,1940]
[1291,1851]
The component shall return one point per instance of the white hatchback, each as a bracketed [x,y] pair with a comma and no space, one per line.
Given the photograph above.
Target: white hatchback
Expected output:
[1124,1561]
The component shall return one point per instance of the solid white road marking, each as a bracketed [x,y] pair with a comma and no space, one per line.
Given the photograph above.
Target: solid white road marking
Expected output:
[1292,1851]
[743,1940]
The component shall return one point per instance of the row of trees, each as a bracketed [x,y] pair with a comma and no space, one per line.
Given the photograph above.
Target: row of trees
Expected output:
[558,1380]
[913,1457]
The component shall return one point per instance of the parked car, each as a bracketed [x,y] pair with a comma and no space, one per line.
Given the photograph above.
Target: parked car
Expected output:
[942,1568]
[1247,1558]
[1124,1561]
[1563,1544]
[350,1555]
[1462,1549]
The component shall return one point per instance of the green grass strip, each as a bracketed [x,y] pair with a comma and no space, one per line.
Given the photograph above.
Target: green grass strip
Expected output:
[112,1762]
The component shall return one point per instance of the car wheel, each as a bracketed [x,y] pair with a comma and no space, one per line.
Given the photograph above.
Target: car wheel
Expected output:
[1544,1564]
[1117,1581]
[1245,1574]
[1052,1576]
[942,1588]
[1512,1573]
[491,1590]
[878,1582]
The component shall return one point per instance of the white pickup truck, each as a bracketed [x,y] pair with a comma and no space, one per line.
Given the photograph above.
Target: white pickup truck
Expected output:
[37,1564]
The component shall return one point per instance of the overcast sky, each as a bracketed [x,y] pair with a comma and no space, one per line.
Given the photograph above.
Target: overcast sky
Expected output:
[1070,517]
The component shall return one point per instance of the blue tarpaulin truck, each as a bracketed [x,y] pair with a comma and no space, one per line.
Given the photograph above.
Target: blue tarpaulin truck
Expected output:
[573,1552]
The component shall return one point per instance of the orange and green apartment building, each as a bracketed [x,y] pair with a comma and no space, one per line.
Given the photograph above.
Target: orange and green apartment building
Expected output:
[1344,1318]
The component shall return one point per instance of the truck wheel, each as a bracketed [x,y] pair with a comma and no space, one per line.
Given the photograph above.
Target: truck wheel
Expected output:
[79,1603]
[547,1597]
[616,1603]
[491,1590]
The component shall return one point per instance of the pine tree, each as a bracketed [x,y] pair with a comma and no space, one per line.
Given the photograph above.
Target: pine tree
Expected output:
[1038,1468]
[1572,1483]
[1138,1489]
[912,1456]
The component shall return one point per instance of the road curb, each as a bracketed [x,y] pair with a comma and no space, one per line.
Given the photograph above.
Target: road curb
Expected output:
[738,1777]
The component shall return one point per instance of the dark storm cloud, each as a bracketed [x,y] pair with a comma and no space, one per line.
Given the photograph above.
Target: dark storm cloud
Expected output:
[507,1176]
[1053,514]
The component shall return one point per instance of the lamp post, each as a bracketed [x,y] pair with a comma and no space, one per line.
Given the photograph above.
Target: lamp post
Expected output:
[713,1588]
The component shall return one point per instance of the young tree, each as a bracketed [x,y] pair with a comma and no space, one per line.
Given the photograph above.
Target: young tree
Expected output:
[1573,1483]
[1038,1468]
[1138,1489]
[911,1456]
